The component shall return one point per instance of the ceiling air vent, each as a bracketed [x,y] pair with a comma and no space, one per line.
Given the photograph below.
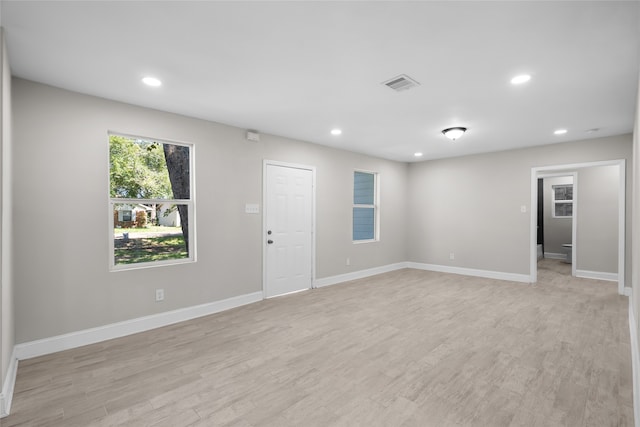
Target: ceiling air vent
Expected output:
[401,82]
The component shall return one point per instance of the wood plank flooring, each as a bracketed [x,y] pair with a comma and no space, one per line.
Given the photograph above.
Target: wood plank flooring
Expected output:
[407,348]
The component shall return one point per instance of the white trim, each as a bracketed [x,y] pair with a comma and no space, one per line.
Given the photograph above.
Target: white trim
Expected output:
[553,255]
[116,330]
[6,396]
[266,163]
[512,277]
[622,215]
[635,364]
[340,278]
[628,292]
[537,172]
[598,275]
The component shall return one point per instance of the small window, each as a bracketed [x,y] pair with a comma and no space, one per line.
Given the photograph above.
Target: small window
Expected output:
[151,202]
[562,201]
[365,212]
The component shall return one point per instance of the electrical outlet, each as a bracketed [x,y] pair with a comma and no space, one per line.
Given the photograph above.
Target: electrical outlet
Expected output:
[159,294]
[452,255]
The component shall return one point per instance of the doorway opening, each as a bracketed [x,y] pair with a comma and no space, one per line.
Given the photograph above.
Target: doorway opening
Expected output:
[583,243]
[556,225]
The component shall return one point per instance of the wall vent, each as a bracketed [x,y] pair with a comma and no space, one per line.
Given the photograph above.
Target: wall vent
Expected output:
[401,82]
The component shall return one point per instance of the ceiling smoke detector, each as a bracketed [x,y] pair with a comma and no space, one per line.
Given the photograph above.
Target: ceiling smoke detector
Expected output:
[401,82]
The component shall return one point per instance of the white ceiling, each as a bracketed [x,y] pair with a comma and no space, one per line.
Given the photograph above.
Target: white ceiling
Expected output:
[300,69]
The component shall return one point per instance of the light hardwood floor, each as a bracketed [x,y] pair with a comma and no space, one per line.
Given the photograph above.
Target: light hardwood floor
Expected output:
[407,348]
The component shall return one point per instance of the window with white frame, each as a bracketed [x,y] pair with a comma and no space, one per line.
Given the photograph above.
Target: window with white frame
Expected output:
[365,209]
[151,205]
[562,201]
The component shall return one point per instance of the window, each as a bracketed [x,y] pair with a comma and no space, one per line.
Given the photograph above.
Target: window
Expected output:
[126,215]
[150,202]
[365,212]
[562,201]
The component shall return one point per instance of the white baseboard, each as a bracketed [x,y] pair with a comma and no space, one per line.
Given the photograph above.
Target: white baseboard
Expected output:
[635,364]
[598,275]
[6,395]
[116,330]
[513,277]
[553,255]
[333,280]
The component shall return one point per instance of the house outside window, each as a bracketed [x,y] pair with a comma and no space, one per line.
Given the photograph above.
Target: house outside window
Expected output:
[562,201]
[151,205]
[365,206]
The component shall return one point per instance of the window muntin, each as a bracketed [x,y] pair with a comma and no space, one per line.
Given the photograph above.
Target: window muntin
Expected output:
[365,212]
[562,201]
[150,202]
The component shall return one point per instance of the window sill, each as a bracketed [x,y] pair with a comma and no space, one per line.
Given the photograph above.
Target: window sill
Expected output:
[358,242]
[154,264]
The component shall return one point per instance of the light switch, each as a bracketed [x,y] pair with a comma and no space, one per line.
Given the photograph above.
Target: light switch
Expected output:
[252,208]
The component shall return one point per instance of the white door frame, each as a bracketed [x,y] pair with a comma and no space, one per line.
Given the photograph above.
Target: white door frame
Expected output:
[266,163]
[539,172]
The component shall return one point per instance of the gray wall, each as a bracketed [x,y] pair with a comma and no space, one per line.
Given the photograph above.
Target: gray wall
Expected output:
[597,219]
[6,233]
[61,260]
[471,205]
[557,231]
[467,205]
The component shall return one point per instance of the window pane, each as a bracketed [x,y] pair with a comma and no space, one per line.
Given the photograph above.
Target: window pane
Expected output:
[363,223]
[143,169]
[569,192]
[564,209]
[563,192]
[363,188]
[153,233]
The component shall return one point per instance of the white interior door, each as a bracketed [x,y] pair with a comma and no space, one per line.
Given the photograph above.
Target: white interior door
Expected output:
[288,229]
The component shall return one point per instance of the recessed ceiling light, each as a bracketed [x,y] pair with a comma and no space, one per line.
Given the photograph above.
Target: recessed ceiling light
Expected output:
[522,78]
[417,154]
[151,81]
[560,132]
[336,132]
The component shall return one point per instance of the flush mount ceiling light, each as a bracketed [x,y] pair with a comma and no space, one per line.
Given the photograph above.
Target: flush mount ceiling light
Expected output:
[454,133]
[336,132]
[560,132]
[151,81]
[522,78]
